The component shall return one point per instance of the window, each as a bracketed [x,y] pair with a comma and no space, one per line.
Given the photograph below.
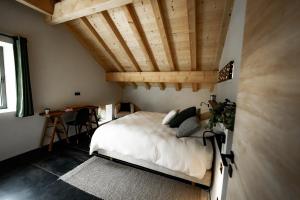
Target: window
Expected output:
[3,103]
[7,74]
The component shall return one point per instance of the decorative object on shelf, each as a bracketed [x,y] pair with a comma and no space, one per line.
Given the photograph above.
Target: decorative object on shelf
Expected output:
[109,111]
[213,97]
[47,110]
[101,113]
[223,112]
[211,100]
[226,73]
[201,104]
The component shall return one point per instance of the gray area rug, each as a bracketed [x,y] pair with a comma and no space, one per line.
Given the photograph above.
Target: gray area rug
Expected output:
[112,181]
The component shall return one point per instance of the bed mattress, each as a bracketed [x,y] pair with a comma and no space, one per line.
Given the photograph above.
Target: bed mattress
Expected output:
[142,136]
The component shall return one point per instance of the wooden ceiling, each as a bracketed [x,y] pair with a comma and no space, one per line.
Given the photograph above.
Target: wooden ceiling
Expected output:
[185,37]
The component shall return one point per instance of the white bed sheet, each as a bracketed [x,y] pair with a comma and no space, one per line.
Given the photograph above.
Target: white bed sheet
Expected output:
[142,136]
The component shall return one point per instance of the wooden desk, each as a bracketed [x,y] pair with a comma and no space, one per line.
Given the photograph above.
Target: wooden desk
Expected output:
[54,120]
[93,111]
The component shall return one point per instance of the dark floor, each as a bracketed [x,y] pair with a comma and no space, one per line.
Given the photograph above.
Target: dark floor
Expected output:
[35,175]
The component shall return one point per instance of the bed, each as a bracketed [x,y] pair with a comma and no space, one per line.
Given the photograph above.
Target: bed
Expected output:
[142,140]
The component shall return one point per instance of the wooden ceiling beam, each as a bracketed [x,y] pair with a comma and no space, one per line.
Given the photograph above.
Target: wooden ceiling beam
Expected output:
[141,38]
[107,19]
[161,24]
[73,9]
[45,6]
[209,77]
[191,10]
[196,87]
[178,87]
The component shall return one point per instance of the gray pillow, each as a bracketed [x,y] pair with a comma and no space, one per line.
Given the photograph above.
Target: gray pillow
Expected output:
[188,127]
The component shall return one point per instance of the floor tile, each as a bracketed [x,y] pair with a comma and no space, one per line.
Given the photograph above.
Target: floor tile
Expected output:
[35,175]
[24,182]
[58,164]
[61,191]
[76,154]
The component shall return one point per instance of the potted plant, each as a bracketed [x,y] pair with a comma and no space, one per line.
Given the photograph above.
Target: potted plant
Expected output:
[224,113]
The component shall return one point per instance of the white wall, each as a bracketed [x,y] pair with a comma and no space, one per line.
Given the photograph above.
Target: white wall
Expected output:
[157,100]
[233,51]
[59,66]
[228,89]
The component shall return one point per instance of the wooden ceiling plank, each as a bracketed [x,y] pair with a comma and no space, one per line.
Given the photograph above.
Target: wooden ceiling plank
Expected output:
[101,41]
[79,34]
[46,6]
[105,16]
[209,77]
[87,46]
[72,9]
[225,24]
[156,8]
[162,31]
[83,42]
[191,7]
[118,66]
[140,36]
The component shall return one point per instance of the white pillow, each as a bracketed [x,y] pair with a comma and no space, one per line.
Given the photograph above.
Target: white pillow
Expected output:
[168,117]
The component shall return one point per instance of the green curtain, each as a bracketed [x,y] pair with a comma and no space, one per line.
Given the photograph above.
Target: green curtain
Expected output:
[24,96]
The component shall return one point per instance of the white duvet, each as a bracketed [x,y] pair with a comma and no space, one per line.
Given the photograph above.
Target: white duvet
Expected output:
[142,136]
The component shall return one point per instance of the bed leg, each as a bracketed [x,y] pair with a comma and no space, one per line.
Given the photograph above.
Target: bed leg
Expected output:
[193,183]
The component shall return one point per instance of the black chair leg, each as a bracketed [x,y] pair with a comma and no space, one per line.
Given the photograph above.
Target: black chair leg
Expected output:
[68,130]
[88,131]
[76,131]
[80,128]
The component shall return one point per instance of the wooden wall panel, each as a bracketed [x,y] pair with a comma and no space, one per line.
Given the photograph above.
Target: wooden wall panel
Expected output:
[266,138]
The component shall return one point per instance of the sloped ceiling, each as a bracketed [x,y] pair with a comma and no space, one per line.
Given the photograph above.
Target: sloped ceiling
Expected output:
[150,36]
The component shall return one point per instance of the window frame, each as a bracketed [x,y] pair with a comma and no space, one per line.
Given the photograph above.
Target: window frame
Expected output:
[9,75]
[2,81]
